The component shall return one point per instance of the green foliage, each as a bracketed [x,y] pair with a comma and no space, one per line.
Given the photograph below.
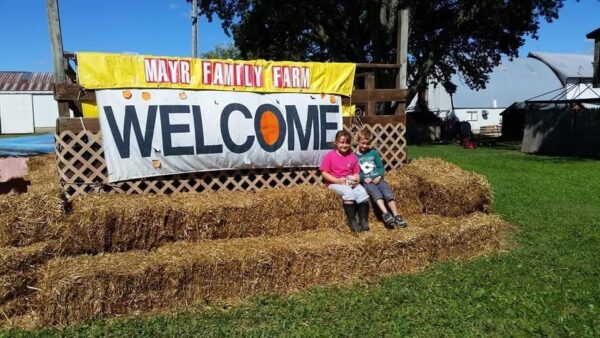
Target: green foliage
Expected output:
[547,285]
[468,36]
[229,51]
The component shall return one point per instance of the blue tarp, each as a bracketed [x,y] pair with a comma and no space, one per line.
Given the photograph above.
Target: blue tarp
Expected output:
[27,145]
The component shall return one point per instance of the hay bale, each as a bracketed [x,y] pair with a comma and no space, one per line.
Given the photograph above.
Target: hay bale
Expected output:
[43,174]
[24,258]
[29,215]
[30,218]
[406,190]
[18,269]
[16,284]
[79,288]
[10,310]
[17,313]
[447,190]
[111,223]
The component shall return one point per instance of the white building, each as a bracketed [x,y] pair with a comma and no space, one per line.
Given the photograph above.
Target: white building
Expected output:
[540,75]
[27,104]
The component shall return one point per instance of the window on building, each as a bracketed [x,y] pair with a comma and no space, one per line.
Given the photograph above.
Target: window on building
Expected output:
[472,115]
[485,114]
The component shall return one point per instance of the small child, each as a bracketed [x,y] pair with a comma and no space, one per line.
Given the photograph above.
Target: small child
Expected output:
[341,173]
[371,176]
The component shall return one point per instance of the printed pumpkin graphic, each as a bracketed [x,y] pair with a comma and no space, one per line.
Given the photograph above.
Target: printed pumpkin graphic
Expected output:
[269,127]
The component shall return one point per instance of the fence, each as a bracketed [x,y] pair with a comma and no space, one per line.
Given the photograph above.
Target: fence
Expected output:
[82,169]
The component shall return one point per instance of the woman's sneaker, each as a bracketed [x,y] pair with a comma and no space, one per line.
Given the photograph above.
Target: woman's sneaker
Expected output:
[400,222]
[388,220]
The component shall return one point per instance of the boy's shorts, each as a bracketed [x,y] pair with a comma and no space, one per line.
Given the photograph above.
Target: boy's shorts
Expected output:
[381,190]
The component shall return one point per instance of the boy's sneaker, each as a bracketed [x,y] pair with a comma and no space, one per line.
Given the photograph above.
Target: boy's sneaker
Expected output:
[388,220]
[400,222]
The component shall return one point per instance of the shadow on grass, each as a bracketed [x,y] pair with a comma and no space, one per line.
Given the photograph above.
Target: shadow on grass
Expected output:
[496,144]
[549,158]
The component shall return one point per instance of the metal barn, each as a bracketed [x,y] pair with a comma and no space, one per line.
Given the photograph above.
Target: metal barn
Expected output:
[27,103]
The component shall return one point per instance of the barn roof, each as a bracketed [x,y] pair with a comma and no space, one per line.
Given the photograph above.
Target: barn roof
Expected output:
[512,81]
[26,81]
[567,66]
[595,34]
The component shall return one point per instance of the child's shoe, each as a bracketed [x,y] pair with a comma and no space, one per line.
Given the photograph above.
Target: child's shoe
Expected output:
[388,220]
[400,222]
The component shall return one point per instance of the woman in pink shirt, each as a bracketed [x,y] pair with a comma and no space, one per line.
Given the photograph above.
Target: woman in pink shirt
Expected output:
[340,170]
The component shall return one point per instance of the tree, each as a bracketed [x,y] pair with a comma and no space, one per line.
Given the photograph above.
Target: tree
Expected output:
[228,51]
[446,36]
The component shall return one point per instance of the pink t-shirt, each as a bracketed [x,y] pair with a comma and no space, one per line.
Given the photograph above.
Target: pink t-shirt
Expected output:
[338,165]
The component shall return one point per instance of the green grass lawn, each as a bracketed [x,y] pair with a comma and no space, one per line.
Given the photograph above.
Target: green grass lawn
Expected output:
[548,285]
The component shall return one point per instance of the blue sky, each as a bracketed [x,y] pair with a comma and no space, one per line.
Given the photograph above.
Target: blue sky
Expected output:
[162,27]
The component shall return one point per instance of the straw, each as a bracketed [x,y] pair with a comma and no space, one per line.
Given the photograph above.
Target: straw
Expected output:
[180,274]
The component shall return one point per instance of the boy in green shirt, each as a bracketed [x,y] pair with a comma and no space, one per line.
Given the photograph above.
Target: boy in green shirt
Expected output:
[371,176]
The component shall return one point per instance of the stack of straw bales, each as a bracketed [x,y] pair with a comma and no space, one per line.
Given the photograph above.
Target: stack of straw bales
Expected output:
[180,274]
[27,222]
[125,254]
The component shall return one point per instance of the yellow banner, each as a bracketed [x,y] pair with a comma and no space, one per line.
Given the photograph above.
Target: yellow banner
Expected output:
[102,71]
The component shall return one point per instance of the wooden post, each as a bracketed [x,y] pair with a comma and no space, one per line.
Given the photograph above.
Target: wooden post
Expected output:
[402,55]
[596,74]
[58,60]
[195,28]
[370,85]
[402,48]
[596,81]
[56,41]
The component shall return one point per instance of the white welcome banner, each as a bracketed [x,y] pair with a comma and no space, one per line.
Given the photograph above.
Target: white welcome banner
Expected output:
[166,131]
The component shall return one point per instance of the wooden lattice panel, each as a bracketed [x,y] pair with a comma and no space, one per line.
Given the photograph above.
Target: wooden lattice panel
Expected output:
[82,169]
[389,141]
